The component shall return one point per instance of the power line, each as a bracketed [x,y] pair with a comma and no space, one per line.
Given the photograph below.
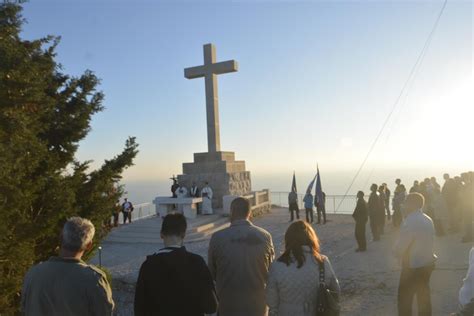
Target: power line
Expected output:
[404,87]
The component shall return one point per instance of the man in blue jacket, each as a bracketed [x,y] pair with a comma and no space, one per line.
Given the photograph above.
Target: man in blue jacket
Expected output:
[308,205]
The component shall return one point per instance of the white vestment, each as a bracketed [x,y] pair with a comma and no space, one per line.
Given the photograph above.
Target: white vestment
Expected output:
[181,192]
[206,194]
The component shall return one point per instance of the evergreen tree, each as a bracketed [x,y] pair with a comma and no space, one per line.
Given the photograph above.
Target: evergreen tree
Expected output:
[44,113]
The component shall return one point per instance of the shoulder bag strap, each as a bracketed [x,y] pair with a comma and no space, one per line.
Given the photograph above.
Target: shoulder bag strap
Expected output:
[322,286]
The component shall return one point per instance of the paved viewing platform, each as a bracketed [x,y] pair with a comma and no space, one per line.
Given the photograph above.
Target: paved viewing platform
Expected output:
[368,280]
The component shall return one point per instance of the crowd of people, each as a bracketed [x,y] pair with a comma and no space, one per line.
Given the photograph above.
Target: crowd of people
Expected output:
[427,210]
[449,206]
[242,276]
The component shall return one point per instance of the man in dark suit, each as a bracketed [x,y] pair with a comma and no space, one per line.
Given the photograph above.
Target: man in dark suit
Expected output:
[174,281]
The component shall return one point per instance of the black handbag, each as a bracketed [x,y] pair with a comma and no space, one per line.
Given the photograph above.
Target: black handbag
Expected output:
[327,301]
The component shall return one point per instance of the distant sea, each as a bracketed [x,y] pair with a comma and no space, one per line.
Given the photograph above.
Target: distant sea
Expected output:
[333,182]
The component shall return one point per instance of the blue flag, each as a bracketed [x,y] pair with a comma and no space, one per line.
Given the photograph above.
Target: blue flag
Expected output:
[311,184]
[319,194]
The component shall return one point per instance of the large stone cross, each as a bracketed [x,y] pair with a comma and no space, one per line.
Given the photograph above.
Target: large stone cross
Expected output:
[209,71]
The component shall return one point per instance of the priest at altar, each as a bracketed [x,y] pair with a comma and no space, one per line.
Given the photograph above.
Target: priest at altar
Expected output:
[206,194]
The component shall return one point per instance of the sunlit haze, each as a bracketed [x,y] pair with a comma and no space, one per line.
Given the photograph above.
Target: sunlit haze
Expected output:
[316,81]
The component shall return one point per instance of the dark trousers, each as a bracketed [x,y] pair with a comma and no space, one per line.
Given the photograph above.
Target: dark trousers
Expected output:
[127,215]
[374,227]
[381,221]
[415,282]
[397,217]
[309,214]
[387,209]
[439,227]
[116,218]
[360,235]
[321,210]
[294,208]
[453,216]
[467,221]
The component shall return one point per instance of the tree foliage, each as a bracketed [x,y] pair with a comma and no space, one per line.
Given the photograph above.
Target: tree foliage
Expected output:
[44,113]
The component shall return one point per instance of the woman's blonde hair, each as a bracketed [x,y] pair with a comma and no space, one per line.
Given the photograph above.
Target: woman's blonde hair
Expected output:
[297,235]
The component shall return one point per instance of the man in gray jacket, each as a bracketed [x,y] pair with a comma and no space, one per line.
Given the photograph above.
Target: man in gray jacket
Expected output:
[415,249]
[66,285]
[239,259]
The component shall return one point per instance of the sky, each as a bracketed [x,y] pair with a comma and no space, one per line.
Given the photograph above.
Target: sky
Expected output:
[316,81]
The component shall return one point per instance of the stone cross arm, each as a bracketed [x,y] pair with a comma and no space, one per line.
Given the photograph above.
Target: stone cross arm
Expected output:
[217,69]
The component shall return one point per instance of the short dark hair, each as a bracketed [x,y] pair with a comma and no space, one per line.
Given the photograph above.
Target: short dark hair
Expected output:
[174,224]
[240,207]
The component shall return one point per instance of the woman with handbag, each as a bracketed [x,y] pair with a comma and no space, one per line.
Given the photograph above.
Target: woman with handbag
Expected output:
[302,282]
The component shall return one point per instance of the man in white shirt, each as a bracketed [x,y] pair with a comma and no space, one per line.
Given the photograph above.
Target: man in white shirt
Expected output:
[127,209]
[415,249]
[466,294]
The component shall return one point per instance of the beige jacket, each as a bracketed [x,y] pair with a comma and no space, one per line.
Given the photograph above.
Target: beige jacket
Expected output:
[65,287]
[239,259]
[292,291]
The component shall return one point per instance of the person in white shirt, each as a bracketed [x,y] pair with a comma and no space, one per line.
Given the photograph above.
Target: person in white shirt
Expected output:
[127,209]
[206,194]
[415,249]
[466,294]
[181,192]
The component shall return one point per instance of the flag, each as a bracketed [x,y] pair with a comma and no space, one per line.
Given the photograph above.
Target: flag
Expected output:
[293,184]
[318,194]
[311,184]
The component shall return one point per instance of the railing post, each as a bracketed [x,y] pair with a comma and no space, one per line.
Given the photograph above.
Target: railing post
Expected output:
[334,204]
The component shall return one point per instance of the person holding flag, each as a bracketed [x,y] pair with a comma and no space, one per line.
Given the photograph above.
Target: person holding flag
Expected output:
[308,205]
[308,202]
[293,200]
[320,199]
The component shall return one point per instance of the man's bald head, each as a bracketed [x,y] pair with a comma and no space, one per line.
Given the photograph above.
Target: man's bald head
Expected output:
[414,201]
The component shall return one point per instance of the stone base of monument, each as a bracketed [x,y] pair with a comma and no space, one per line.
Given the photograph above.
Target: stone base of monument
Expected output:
[260,202]
[225,175]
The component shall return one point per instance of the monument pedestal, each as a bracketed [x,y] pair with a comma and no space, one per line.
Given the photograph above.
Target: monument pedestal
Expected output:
[225,175]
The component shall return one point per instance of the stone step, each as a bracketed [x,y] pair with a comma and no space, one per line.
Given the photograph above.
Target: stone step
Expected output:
[197,225]
[207,234]
[218,225]
[148,230]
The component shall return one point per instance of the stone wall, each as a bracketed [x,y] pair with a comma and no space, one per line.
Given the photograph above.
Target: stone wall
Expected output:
[260,202]
[226,176]
[261,210]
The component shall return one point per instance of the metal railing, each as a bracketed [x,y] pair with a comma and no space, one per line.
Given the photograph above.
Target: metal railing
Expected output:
[143,210]
[332,202]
